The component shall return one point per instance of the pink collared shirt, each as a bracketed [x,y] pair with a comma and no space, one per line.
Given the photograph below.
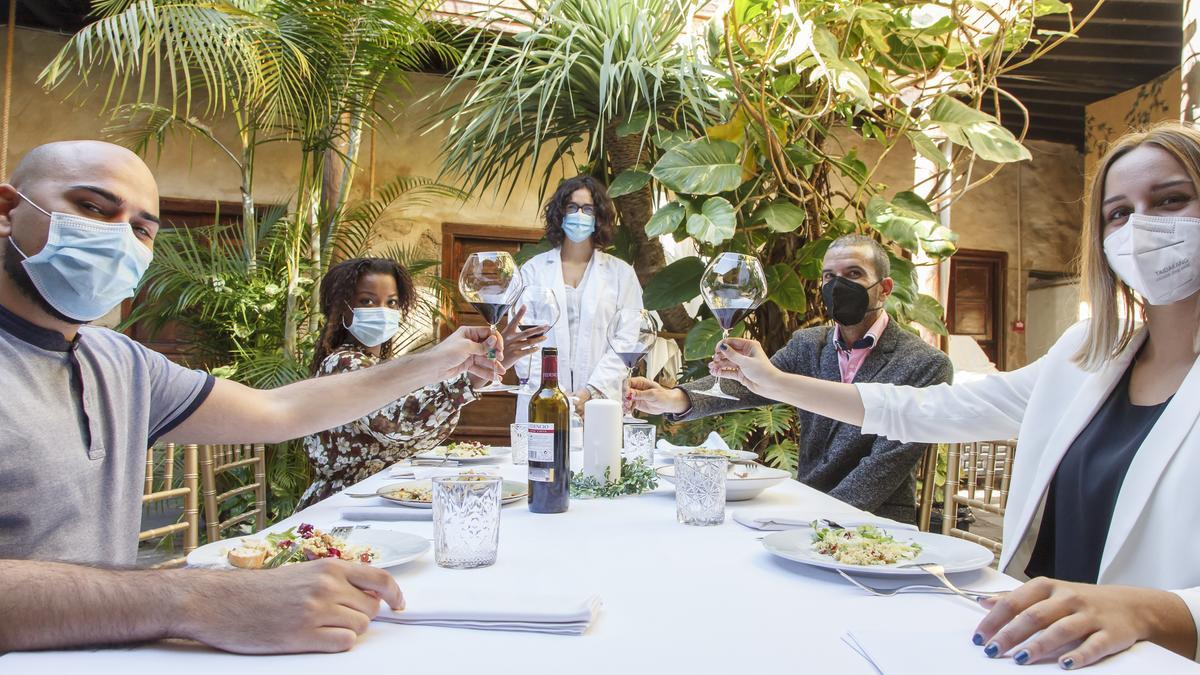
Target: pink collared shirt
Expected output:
[849,361]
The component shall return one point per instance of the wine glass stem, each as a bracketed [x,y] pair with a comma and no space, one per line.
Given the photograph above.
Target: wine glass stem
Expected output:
[492,355]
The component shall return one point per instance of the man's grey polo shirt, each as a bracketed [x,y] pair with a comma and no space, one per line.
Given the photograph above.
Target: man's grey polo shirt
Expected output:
[75,421]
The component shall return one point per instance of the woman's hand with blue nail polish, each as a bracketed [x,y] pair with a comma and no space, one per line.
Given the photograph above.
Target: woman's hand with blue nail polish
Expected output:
[1080,624]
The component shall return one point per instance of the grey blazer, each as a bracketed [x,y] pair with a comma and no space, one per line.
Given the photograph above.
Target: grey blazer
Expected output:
[867,471]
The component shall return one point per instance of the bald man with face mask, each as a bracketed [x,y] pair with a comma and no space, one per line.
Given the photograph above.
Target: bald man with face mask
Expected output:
[81,405]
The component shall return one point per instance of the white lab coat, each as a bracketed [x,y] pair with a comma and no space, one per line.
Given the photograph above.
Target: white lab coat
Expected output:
[1152,539]
[610,284]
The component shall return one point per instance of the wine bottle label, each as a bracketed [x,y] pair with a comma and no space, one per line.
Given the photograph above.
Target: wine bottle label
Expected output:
[541,442]
[542,474]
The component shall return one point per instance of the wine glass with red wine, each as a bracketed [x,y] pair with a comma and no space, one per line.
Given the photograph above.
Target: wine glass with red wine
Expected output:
[631,336]
[491,284]
[733,285]
[541,311]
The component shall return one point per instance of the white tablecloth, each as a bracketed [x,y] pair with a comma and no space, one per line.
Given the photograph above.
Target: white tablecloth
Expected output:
[677,599]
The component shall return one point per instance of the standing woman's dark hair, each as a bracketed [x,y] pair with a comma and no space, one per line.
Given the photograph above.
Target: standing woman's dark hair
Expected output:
[337,297]
[605,211]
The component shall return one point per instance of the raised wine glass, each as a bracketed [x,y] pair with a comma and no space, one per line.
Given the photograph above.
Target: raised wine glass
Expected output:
[733,285]
[491,284]
[631,335]
[541,311]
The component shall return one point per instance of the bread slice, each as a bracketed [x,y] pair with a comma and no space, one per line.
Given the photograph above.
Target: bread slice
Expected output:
[247,558]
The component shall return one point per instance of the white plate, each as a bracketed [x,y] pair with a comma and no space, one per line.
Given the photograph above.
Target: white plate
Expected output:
[394,548]
[738,489]
[956,555]
[438,454]
[669,455]
[511,491]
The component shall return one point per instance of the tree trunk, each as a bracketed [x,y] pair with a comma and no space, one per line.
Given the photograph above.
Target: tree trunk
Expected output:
[635,210]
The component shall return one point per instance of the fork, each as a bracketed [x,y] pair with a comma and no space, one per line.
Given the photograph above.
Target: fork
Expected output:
[917,588]
[342,530]
[936,570]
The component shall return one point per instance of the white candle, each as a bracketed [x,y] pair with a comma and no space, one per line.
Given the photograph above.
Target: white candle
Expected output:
[602,439]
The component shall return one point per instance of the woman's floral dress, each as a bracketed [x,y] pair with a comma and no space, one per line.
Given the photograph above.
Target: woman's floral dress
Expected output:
[345,455]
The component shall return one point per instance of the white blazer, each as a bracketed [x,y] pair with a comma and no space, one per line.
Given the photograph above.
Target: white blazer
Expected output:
[1152,540]
[608,285]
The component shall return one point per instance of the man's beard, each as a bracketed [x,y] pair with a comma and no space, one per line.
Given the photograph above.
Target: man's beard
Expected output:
[16,271]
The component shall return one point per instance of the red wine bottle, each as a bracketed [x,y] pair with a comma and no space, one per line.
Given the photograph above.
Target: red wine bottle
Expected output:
[549,456]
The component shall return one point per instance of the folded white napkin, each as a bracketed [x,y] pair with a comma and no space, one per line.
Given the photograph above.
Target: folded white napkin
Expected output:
[895,650]
[713,441]
[493,610]
[385,513]
[759,519]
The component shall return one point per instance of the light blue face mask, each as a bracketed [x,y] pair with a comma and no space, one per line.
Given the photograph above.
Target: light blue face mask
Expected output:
[578,226]
[373,326]
[87,267]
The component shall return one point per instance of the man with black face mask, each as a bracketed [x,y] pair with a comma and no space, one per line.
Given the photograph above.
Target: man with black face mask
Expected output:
[866,471]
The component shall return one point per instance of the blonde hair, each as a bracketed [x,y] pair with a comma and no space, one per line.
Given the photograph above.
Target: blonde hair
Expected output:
[1110,330]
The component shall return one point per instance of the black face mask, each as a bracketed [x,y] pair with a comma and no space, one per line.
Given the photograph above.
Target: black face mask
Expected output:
[846,301]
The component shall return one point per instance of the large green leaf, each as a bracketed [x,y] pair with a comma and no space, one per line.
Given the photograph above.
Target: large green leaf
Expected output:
[628,182]
[780,216]
[924,145]
[666,140]
[715,223]
[1044,7]
[810,259]
[894,222]
[666,220]
[976,130]
[702,167]
[786,289]
[909,221]
[904,274]
[702,339]
[928,312]
[675,284]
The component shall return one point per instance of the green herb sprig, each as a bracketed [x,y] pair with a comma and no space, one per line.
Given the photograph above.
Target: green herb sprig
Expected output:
[636,477]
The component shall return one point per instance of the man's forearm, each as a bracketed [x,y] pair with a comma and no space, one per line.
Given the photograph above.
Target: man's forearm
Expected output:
[320,403]
[45,605]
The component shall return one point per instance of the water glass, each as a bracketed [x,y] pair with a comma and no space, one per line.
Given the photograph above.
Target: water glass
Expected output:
[639,443]
[518,435]
[466,520]
[700,489]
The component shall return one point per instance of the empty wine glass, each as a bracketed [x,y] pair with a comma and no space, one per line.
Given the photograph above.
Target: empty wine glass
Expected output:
[631,335]
[491,284]
[541,310]
[733,285]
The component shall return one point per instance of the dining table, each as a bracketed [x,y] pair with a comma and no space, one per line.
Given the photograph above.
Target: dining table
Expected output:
[676,599]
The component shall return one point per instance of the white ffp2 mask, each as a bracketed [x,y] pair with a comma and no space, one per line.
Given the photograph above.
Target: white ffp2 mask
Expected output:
[1157,256]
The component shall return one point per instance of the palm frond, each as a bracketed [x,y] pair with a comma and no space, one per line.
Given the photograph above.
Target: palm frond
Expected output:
[575,69]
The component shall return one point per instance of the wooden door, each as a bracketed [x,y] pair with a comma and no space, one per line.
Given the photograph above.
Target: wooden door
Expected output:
[976,308]
[487,419]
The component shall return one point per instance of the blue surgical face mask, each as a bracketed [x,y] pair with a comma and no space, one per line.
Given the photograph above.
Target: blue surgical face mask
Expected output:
[373,326]
[578,226]
[87,267]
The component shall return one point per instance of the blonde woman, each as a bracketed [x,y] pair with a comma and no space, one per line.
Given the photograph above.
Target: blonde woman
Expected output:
[1102,511]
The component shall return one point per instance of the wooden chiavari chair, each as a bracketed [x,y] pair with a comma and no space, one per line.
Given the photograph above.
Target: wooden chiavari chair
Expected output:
[248,461]
[160,487]
[977,475]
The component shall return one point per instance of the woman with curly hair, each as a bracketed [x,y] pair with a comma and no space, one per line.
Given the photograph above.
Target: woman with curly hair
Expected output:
[363,301]
[590,286]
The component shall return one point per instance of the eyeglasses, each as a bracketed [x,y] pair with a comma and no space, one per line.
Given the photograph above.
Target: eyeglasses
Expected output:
[586,208]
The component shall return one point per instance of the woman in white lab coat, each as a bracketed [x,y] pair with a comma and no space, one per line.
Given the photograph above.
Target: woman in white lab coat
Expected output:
[1103,503]
[590,286]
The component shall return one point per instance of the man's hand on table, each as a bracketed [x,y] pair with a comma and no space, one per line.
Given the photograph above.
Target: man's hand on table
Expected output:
[652,398]
[319,606]
[1080,624]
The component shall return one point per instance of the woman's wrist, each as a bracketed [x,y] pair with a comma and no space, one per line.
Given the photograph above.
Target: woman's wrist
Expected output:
[1169,623]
